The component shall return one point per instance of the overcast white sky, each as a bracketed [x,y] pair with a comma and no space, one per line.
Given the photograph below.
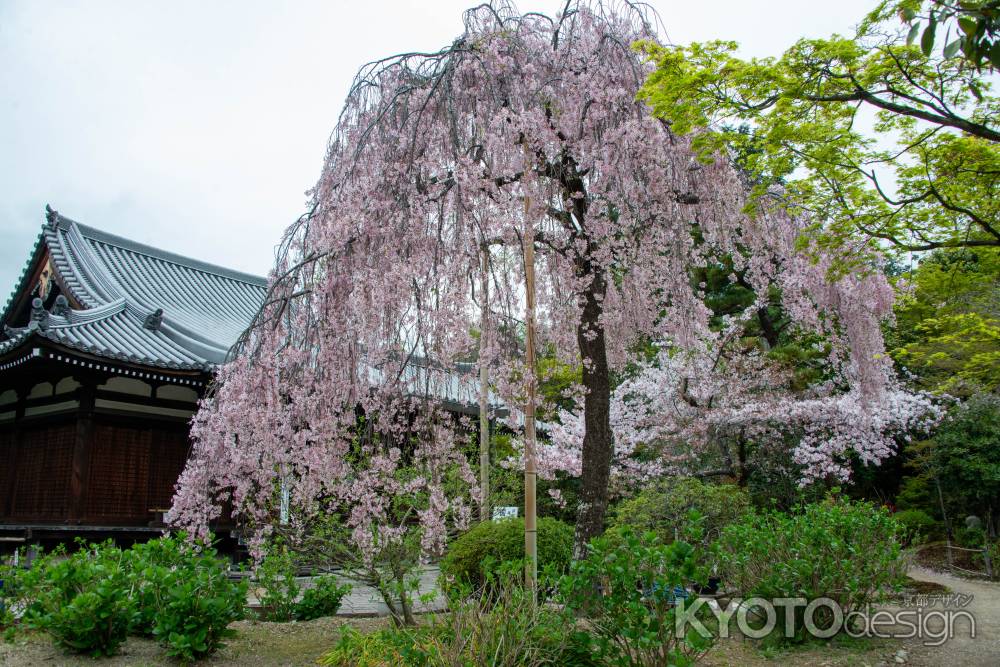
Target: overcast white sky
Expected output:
[197,126]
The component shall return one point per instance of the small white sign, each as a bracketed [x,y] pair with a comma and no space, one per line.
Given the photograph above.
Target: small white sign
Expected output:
[501,513]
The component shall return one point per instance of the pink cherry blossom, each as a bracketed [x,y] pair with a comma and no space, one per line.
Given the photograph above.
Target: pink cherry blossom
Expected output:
[431,162]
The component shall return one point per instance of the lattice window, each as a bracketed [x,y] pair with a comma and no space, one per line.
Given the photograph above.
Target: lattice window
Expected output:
[119,474]
[43,472]
[170,448]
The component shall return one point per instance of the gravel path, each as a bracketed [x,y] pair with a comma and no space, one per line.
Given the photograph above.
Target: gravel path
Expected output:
[962,649]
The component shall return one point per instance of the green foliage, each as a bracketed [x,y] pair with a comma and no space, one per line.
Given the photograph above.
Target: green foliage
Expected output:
[935,136]
[501,627]
[184,596]
[275,579]
[91,600]
[389,646]
[196,602]
[916,493]
[83,600]
[468,557]
[556,384]
[322,599]
[150,564]
[972,27]
[504,627]
[507,486]
[964,457]
[664,507]
[918,526]
[847,551]
[947,328]
[626,588]
[14,594]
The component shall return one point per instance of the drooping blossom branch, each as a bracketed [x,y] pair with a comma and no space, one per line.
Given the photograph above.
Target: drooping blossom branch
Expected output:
[431,161]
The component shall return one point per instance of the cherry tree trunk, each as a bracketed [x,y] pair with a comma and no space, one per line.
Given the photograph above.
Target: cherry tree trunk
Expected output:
[597,443]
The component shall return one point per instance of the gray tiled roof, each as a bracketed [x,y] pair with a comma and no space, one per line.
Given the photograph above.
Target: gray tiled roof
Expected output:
[120,283]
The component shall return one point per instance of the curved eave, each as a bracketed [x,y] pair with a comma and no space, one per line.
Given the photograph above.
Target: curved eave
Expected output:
[32,346]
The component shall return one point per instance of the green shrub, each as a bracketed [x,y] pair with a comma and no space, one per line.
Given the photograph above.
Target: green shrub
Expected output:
[323,599]
[166,588]
[196,603]
[917,493]
[10,597]
[275,579]
[918,526]
[149,566]
[627,589]
[83,600]
[496,542]
[663,508]
[847,551]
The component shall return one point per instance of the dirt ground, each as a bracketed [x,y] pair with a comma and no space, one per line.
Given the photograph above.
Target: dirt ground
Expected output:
[962,649]
[256,644]
[300,644]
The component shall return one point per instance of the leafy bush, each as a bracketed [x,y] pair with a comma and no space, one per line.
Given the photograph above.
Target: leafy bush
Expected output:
[149,565]
[323,599]
[276,578]
[916,493]
[663,508]
[10,597]
[469,556]
[166,588]
[196,602]
[627,588]
[82,600]
[847,551]
[918,526]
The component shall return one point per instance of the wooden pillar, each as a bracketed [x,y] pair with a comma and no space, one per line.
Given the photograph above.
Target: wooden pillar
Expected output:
[7,503]
[80,476]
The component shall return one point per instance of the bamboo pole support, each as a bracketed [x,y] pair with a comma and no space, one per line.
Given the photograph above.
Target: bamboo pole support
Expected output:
[484,388]
[530,465]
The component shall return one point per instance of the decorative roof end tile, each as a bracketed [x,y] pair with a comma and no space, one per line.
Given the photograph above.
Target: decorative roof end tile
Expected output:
[61,306]
[154,320]
[39,316]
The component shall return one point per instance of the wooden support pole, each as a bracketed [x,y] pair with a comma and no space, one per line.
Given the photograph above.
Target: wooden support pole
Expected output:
[484,388]
[530,466]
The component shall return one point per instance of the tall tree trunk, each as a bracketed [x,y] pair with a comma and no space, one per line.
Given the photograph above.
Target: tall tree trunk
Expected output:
[597,443]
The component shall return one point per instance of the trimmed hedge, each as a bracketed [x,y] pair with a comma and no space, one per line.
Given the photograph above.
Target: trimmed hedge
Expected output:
[503,541]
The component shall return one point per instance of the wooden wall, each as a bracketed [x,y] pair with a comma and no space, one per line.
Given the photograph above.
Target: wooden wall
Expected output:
[132,467]
[44,461]
[133,470]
